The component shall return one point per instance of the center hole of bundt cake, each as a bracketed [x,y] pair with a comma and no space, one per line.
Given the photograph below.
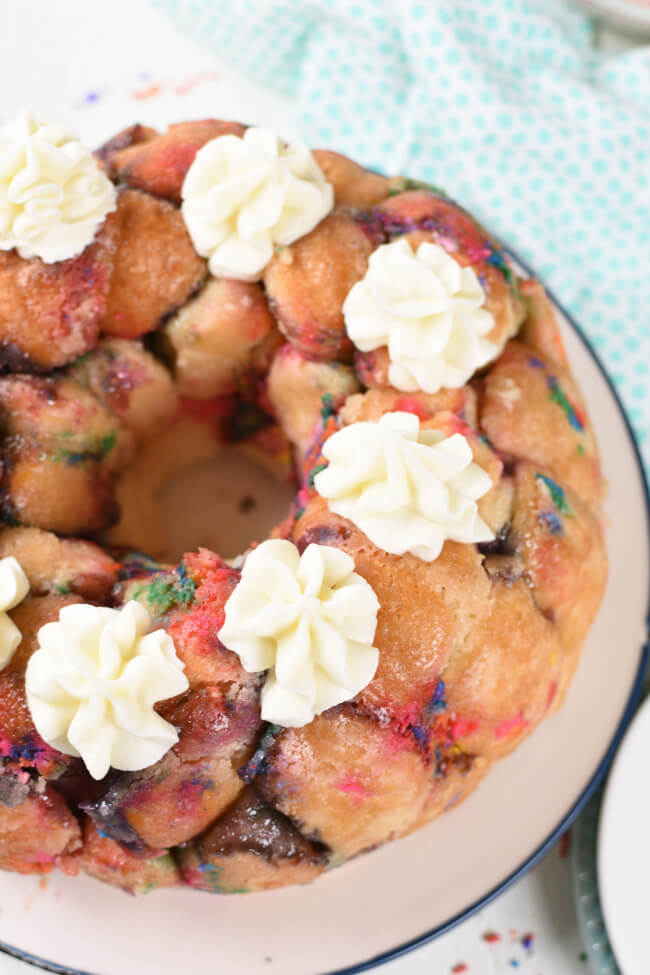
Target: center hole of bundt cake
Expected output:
[223,504]
[192,487]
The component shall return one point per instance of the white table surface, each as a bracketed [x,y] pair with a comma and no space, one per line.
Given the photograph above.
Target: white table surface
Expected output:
[71,61]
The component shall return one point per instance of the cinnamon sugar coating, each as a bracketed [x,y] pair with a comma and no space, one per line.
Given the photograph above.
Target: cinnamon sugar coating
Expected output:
[104,357]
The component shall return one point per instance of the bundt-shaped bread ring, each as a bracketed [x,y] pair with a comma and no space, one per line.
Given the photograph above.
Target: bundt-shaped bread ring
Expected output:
[132,361]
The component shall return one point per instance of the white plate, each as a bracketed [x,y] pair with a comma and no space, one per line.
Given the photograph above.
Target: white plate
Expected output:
[624,849]
[406,892]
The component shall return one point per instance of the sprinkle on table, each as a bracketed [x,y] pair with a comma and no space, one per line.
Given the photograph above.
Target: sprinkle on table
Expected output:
[187,86]
[142,94]
[527,941]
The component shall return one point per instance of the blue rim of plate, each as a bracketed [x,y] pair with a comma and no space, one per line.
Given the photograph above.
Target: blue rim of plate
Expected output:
[570,816]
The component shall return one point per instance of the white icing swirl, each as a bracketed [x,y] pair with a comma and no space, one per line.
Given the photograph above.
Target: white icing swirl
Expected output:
[427,310]
[53,195]
[92,684]
[14,586]
[310,621]
[406,488]
[243,195]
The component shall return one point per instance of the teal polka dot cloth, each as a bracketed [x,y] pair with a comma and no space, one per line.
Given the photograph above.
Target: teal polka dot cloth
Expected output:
[505,104]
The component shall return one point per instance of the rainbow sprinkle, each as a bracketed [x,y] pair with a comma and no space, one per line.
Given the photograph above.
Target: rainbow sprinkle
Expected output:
[508,725]
[552,522]
[527,941]
[573,414]
[437,702]
[536,363]
[187,86]
[557,494]
[354,788]
[327,407]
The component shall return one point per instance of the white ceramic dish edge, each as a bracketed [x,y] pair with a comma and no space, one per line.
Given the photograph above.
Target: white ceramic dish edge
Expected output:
[624,848]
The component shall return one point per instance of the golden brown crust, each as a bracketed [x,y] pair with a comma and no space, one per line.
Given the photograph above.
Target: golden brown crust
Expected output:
[69,500]
[453,785]
[154,809]
[214,337]
[130,383]
[50,313]
[180,796]
[540,328]
[251,847]
[109,861]
[37,834]
[534,410]
[376,402]
[561,541]
[338,779]
[443,599]
[132,135]
[243,872]
[308,282]
[504,675]
[155,266]
[62,418]
[158,164]
[62,451]
[60,565]
[298,388]
[353,185]
[17,724]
